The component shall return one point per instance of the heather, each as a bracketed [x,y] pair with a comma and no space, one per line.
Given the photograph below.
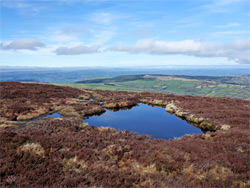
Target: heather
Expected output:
[65,152]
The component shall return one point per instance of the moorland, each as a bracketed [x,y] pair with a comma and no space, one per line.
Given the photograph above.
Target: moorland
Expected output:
[66,152]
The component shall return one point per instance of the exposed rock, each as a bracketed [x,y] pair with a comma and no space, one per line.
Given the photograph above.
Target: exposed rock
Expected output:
[194,119]
[171,108]
[181,114]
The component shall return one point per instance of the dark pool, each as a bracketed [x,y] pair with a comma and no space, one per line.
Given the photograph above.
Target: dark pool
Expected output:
[145,119]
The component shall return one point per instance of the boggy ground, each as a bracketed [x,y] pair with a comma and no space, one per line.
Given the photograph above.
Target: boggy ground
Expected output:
[64,152]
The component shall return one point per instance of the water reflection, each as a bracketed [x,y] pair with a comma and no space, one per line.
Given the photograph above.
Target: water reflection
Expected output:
[144,119]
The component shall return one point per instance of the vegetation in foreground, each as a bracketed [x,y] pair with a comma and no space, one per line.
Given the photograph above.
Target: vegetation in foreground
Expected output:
[234,87]
[63,152]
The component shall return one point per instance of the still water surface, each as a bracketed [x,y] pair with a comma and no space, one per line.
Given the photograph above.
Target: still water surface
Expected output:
[54,115]
[145,119]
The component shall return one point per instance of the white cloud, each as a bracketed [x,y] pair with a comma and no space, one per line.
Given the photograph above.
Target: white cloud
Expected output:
[76,50]
[26,43]
[237,51]
[160,47]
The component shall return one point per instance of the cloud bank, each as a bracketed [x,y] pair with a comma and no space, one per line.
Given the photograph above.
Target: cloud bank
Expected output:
[237,51]
[78,50]
[21,44]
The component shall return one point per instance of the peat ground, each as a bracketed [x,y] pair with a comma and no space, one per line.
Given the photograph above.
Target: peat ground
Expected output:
[65,152]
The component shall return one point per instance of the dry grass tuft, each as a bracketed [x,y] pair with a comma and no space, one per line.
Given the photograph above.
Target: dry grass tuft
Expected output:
[33,148]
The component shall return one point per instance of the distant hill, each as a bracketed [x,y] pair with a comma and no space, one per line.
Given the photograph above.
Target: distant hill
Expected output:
[222,79]
[115,79]
[217,86]
[74,74]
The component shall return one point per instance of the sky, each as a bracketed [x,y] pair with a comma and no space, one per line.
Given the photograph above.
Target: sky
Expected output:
[125,33]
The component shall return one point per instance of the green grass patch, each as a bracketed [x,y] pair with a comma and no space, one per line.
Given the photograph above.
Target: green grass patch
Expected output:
[220,87]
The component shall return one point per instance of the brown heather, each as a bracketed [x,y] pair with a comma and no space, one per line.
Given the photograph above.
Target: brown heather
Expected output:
[63,152]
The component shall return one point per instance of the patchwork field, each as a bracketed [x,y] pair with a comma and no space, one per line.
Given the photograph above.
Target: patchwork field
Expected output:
[233,87]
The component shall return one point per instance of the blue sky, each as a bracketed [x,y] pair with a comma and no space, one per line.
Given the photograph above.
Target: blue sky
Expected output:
[119,33]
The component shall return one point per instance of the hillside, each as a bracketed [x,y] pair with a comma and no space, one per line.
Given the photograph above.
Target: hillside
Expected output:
[234,87]
[71,74]
[65,152]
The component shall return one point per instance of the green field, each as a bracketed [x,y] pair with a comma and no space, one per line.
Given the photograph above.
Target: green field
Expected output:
[234,87]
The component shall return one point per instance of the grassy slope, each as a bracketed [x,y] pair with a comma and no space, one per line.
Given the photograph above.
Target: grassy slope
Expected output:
[234,87]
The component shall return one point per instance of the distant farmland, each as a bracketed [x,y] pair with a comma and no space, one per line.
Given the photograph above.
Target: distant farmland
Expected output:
[233,87]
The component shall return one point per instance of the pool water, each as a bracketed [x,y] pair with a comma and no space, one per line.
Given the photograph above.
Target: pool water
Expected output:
[54,115]
[144,119]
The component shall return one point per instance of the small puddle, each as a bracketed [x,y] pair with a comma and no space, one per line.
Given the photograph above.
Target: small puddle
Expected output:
[54,115]
[145,119]
[22,124]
